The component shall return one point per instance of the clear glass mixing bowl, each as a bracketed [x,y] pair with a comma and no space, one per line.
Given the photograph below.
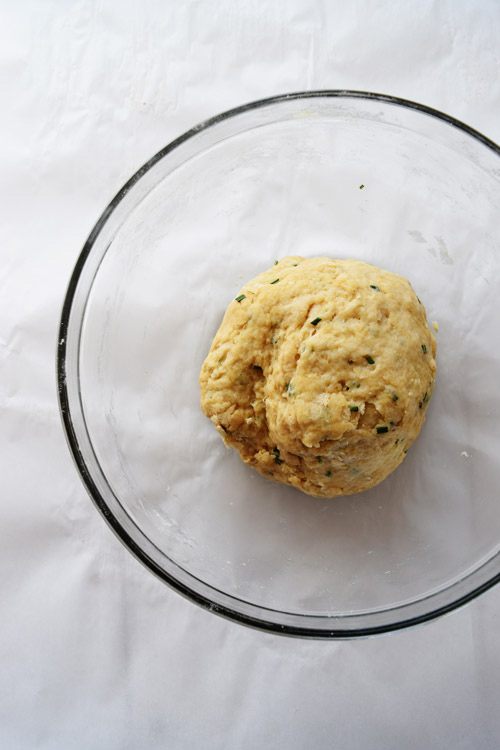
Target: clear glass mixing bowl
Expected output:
[338,173]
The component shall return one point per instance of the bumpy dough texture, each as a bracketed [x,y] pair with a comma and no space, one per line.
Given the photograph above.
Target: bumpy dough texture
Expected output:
[321,379]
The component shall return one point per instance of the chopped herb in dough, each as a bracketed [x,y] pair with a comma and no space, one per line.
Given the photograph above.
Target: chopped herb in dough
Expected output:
[277,459]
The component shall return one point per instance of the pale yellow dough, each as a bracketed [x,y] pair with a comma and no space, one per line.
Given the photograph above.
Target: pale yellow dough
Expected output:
[329,406]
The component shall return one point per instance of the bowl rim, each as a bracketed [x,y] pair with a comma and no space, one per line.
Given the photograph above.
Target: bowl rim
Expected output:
[259,623]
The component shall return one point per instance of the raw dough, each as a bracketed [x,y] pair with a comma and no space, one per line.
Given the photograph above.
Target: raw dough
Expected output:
[321,373]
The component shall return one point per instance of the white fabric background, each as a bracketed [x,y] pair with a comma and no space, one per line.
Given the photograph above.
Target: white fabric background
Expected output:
[94,651]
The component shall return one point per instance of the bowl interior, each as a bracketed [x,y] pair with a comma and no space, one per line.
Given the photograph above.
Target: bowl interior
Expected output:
[346,177]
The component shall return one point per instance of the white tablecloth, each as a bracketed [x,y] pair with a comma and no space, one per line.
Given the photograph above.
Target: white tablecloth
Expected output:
[95,652]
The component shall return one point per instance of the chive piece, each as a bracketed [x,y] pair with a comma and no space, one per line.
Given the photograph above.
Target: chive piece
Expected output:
[319,459]
[286,385]
[424,348]
[328,474]
[419,300]
[353,408]
[394,396]
[361,187]
[373,286]
[381,430]
[274,282]
[369,359]
[277,459]
[405,451]
[275,262]
[240,298]
[426,397]
[315,321]
[295,264]
[257,367]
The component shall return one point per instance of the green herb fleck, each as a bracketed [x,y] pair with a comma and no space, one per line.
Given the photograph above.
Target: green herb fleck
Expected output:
[275,281]
[395,397]
[406,450]
[257,367]
[420,404]
[275,262]
[369,359]
[295,264]
[353,408]
[271,473]
[426,397]
[396,441]
[328,474]
[277,459]
[241,297]
[315,321]
[361,187]
[373,286]
[419,300]
[286,385]
[381,430]
[424,348]
[319,459]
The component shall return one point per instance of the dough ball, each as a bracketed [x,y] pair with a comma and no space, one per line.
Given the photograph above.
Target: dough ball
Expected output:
[321,373]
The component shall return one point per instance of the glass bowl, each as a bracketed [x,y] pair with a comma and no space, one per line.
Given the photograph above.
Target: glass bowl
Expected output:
[339,173]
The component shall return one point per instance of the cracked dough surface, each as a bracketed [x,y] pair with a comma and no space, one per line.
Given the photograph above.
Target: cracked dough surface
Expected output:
[321,374]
